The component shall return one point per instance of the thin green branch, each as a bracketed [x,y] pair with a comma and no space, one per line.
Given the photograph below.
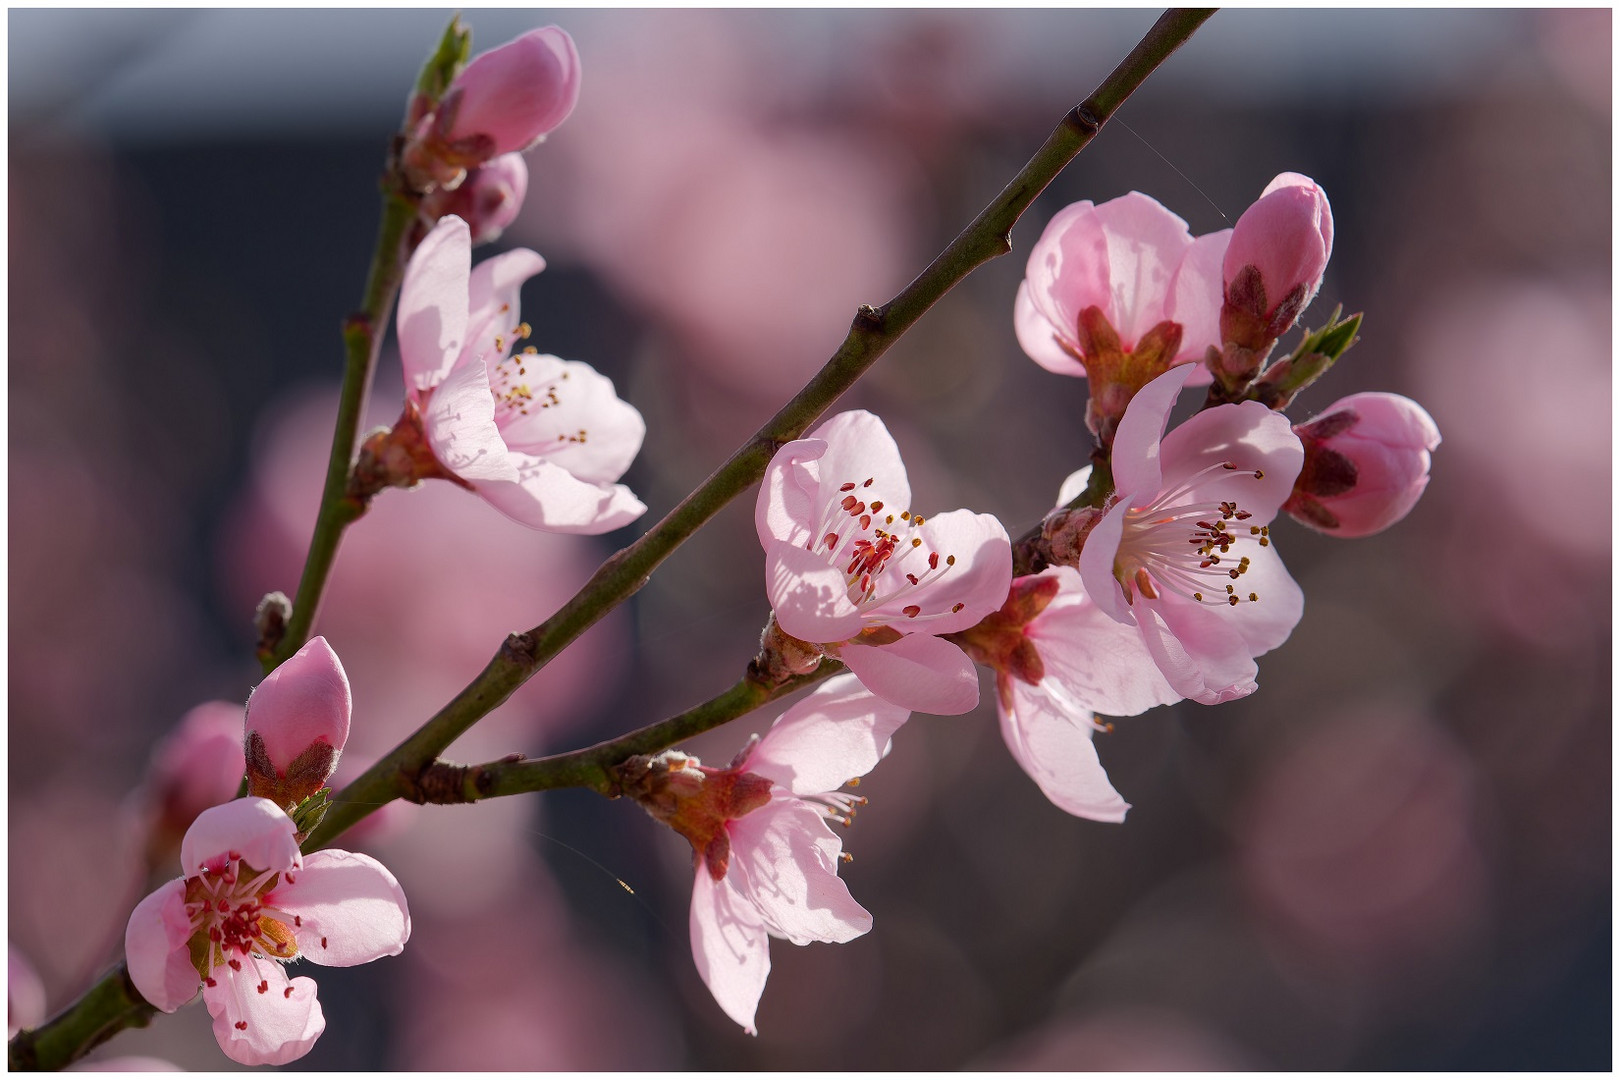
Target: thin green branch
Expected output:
[873,331]
[104,1010]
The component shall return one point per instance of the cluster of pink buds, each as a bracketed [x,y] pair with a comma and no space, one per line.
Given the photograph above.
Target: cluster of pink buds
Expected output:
[463,150]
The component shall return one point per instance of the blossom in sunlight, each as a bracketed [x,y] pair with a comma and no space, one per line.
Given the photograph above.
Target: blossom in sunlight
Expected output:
[1366,464]
[1118,292]
[297,722]
[541,439]
[849,567]
[248,903]
[766,860]
[1184,551]
[1279,251]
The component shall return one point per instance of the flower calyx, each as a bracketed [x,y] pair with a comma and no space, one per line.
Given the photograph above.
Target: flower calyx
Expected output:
[999,640]
[1116,373]
[400,456]
[695,800]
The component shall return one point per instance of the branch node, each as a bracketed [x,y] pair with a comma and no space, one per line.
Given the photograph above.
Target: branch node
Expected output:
[868,317]
[440,782]
[522,648]
[1083,120]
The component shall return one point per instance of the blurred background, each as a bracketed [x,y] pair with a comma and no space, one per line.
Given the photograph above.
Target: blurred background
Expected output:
[1395,855]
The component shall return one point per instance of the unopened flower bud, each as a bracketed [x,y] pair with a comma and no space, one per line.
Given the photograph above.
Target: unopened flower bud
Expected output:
[516,93]
[488,200]
[1366,464]
[1275,261]
[197,766]
[297,723]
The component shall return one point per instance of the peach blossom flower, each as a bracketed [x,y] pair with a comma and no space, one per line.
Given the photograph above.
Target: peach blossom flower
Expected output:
[1366,464]
[297,722]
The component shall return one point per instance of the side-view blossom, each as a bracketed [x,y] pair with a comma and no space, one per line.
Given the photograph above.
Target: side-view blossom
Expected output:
[540,438]
[849,567]
[766,860]
[505,100]
[1366,464]
[488,200]
[1183,553]
[296,724]
[249,902]
[1058,660]
[1118,292]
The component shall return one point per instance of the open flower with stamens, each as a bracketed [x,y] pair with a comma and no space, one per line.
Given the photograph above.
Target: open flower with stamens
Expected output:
[541,439]
[850,568]
[250,902]
[766,860]
[1184,553]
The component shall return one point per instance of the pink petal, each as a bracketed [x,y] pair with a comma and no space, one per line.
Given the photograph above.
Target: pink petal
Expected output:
[277,1027]
[810,598]
[1052,741]
[494,301]
[1146,244]
[859,449]
[302,702]
[1099,662]
[1097,565]
[460,424]
[1067,270]
[1197,651]
[1263,624]
[1073,486]
[729,946]
[350,909]
[584,428]
[788,861]
[837,733]
[978,579]
[432,319]
[156,950]
[549,497]
[518,92]
[918,672]
[1041,340]
[253,830]
[1196,296]
[1136,455]
[789,505]
[1247,434]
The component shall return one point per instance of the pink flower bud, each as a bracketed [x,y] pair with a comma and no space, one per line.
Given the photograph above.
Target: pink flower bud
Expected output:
[297,723]
[197,766]
[1286,237]
[488,200]
[518,92]
[1366,463]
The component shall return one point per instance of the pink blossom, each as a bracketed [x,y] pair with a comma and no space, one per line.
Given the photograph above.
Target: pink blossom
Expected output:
[541,439]
[1283,242]
[198,765]
[488,200]
[1058,658]
[1119,292]
[516,93]
[297,722]
[767,864]
[1184,552]
[248,903]
[1366,464]
[850,568]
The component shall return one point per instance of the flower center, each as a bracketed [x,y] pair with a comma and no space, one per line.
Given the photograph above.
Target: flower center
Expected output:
[234,920]
[866,542]
[1187,545]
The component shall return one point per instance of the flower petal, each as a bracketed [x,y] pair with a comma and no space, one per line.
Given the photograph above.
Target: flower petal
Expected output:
[1041,341]
[156,949]
[810,598]
[269,1027]
[253,830]
[977,576]
[1052,740]
[303,701]
[1136,455]
[1247,434]
[576,419]
[788,861]
[432,319]
[729,947]
[459,420]
[1146,244]
[549,497]
[787,507]
[1197,651]
[1097,564]
[1196,296]
[350,909]
[861,451]
[837,733]
[919,672]
[1099,662]
[494,302]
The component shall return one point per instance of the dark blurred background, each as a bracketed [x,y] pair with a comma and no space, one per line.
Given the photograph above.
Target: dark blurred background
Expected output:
[1396,855]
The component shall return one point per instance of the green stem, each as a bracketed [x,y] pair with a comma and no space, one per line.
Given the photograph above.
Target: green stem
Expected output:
[107,1008]
[873,331]
[363,334]
[592,767]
